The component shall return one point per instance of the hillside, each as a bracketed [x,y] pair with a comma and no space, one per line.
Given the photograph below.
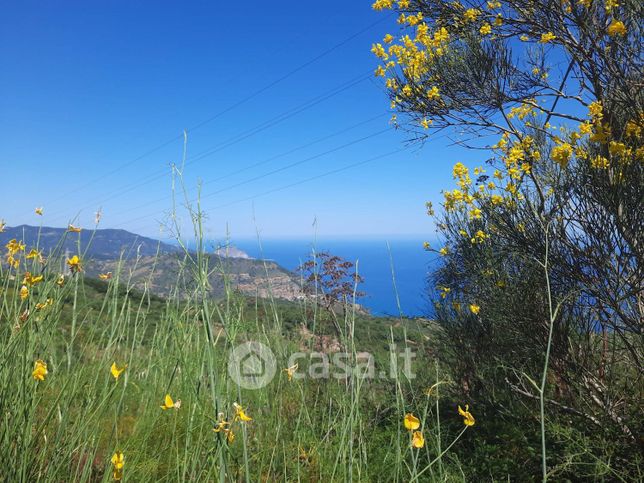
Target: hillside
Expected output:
[159,266]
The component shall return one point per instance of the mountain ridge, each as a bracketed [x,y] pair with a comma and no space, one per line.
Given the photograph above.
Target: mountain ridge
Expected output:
[155,265]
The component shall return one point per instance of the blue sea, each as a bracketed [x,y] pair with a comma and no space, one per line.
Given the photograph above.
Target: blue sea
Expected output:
[411,265]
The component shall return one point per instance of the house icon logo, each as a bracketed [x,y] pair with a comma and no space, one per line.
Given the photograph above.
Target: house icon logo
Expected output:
[251,365]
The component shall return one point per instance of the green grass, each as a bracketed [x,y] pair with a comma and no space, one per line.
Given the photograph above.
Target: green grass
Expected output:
[67,427]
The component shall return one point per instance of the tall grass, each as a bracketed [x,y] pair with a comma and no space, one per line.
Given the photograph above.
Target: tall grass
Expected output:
[67,426]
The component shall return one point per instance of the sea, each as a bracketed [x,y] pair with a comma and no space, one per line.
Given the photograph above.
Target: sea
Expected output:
[395,271]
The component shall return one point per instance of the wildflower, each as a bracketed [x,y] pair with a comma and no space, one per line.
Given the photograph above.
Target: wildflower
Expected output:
[444,251]
[382,4]
[40,370]
[596,110]
[561,154]
[39,211]
[15,246]
[24,292]
[610,4]
[411,422]
[31,280]
[524,38]
[60,281]
[73,229]
[486,29]
[599,162]
[223,426]
[388,39]
[547,37]
[33,253]
[116,372]
[2,226]
[118,460]
[379,72]
[479,237]
[169,403]
[475,309]
[471,14]
[105,276]
[616,27]
[74,264]
[425,123]
[45,304]
[468,419]
[445,291]
[290,371]
[433,93]
[240,414]
[417,439]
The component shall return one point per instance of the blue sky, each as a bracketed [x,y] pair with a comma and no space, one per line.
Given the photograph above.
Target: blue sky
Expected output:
[90,88]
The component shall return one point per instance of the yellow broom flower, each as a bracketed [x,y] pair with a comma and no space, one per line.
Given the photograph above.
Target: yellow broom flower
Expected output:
[240,414]
[116,372]
[411,422]
[118,461]
[468,419]
[417,439]
[169,403]
[40,370]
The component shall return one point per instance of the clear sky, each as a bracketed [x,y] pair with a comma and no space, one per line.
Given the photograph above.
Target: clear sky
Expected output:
[277,97]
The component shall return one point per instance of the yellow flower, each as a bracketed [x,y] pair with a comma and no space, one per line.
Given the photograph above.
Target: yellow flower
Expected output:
[433,93]
[33,253]
[444,251]
[471,14]
[74,264]
[610,4]
[45,304]
[468,419]
[417,439]
[379,72]
[15,246]
[105,276]
[388,39]
[425,123]
[475,309]
[486,29]
[169,403]
[60,281]
[31,280]
[40,370]
[445,291]
[547,37]
[38,211]
[290,371]
[382,4]
[118,461]
[561,154]
[116,372]
[240,414]
[411,422]
[616,27]
[524,38]
[24,292]
[73,229]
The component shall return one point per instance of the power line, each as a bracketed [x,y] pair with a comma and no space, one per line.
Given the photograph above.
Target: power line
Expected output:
[280,155]
[297,183]
[238,138]
[281,169]
[234,105]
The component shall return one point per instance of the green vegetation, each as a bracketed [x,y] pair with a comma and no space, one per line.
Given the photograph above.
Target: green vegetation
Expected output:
[540,293]
[69,413]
